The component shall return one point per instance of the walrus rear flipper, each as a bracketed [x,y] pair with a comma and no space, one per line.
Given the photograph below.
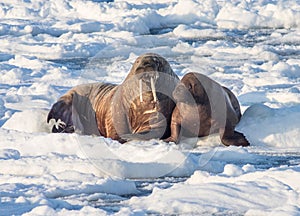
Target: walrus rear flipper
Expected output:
[61,112]
[147,135]
[235,138]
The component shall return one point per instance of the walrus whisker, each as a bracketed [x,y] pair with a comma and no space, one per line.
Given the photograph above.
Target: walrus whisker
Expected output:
[153,89]
[141,90]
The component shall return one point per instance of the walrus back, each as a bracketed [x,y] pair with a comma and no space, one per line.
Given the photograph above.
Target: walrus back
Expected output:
[98,91]
[85,104]
[76,109]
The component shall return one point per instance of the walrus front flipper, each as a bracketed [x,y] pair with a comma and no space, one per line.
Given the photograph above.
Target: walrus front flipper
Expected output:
[61,112]
[234,138]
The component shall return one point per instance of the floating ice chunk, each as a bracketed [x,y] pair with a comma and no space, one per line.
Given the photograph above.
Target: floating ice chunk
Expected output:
[41,210]
[232,170]
[272,127]
[188,32]
[28,121]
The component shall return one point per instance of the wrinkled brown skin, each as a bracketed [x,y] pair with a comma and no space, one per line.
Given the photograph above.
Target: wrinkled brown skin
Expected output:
[117,109]
[204,107]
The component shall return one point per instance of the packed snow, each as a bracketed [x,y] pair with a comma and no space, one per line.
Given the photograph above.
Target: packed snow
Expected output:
[47,47]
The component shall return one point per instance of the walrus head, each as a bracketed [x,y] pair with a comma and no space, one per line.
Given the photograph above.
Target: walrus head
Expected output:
[147,70]
[190,90]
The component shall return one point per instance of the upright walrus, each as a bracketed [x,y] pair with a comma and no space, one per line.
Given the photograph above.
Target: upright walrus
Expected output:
[139,108]
[204,107]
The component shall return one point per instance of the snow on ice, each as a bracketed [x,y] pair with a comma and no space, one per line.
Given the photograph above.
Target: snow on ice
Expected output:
[252,47]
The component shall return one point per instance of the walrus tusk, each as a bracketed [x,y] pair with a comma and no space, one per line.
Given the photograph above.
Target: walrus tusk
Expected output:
[141,90]
[153,89]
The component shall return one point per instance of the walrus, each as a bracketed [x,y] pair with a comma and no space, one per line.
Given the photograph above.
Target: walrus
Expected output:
[139,108]
[204,107]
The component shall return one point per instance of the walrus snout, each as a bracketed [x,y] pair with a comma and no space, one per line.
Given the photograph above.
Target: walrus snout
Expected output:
[181,93]
[147,76]
[180,88]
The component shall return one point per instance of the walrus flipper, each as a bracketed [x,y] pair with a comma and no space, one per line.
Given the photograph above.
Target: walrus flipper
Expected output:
[61,112]
[236,138]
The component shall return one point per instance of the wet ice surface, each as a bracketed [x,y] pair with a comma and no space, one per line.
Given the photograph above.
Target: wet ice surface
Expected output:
[250,47]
